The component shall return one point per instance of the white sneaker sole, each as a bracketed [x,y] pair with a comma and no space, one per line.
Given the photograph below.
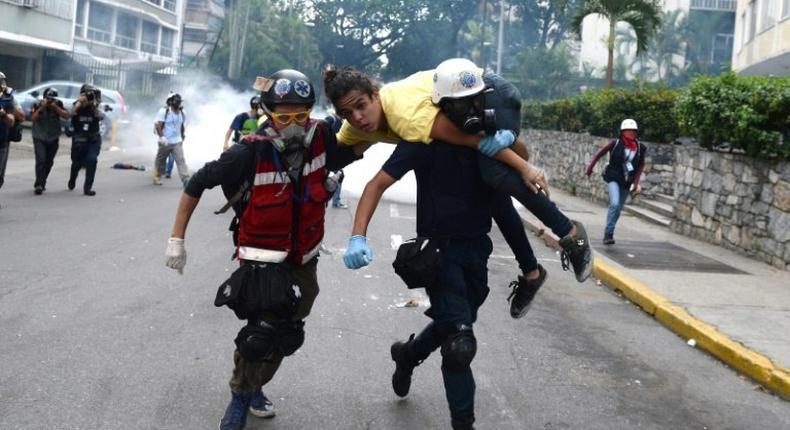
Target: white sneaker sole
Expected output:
[262,414]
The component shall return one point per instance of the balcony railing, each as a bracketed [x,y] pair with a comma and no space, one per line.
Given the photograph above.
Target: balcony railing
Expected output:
[148,47]
[717,5]
[99,35]
[125,42]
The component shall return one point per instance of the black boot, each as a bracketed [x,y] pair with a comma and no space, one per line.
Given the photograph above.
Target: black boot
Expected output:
[404,365]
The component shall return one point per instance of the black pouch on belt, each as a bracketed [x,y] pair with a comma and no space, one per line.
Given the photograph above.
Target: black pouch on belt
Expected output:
[257,289]
[417,262]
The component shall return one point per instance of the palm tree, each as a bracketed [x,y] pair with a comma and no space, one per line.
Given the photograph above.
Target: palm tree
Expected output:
[669,42]
[643,16]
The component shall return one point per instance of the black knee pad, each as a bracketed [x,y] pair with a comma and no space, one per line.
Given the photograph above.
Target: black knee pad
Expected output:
[290,337]
[256,340]
[459,349]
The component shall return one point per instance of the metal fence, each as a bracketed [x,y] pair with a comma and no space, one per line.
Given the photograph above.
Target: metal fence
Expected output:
[135,79]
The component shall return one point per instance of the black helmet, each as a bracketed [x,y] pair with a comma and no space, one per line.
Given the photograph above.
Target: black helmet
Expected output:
[86,87]
[50,92]
[255,102]
[288,86]
[173,99]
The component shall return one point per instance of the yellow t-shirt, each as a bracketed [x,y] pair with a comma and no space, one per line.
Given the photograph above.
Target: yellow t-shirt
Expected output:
[408,109]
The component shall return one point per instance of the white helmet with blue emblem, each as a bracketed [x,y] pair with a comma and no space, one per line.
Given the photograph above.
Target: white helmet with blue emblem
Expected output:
[456,78]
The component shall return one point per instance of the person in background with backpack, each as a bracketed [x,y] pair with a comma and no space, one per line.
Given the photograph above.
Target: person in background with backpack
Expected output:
[277,181]
[622,174]
[244,123]
[11,116]
[169,128]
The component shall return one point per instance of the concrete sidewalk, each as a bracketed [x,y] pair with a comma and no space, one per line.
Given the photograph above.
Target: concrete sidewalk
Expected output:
[736,308]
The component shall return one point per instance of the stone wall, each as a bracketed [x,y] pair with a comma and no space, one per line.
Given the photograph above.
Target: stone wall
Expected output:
[729,200]
[734,201]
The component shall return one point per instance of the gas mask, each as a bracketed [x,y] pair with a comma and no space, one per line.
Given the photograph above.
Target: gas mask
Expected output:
[292,141]
[469,114]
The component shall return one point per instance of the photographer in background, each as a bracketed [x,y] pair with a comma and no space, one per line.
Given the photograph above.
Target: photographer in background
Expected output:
[46,134]
[86,138]
[10,115]
[169,128]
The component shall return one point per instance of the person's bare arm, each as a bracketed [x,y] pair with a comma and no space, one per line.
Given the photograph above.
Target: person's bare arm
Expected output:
[370,200]
[160,126]
[63,113]
[7,118]
[37,111]
[186,206]
[227,138]
[19,115]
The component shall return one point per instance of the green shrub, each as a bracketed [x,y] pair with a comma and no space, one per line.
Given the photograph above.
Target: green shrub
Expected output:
[749,113]
[600,113]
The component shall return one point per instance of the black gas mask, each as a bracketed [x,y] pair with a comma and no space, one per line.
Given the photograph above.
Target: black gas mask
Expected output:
[469,114]
[292,141]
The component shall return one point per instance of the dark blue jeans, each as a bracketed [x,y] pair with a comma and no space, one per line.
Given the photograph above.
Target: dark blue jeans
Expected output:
[45,155]
[462,287]
[509,222]
[85,154]
[508,181]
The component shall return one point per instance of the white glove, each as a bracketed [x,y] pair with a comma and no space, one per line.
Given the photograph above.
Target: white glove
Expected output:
[162,140]
[176,254]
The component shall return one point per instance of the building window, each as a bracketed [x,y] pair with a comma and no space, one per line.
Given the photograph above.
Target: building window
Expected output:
[79,28]
[785,9]
[768,14]
[195,35]
[752,20]
[100,23]
[166,47]
[126,30]
[156,2]
[169,5]
[150,37]
[722,49]
[196,4]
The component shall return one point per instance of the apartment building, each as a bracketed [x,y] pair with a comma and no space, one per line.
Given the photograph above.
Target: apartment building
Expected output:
[28,28]
[707,47]
[203,23]
[762,38]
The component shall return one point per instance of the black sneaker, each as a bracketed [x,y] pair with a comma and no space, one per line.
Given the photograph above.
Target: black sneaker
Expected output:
[524,291]
[576,252]
[38,190]
[608,239]
[89,193]
[72,183]
[404,365]
[465,423]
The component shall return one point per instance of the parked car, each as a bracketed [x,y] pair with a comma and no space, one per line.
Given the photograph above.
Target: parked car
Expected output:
[68,93]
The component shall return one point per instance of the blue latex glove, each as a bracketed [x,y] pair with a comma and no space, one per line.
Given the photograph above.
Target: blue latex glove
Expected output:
[491,145]
[358,254]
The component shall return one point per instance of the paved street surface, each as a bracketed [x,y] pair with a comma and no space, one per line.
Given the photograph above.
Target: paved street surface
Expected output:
[97,334]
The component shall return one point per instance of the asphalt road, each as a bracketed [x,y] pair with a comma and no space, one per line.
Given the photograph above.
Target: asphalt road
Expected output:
[95,333]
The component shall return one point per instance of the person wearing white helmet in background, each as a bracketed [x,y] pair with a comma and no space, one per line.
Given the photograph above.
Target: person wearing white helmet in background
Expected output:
[448,104]
[622,173]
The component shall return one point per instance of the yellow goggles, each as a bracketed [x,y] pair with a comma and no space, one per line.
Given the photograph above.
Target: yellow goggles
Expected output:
[285,118]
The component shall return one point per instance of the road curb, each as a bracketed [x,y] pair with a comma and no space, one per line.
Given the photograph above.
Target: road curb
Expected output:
[751,363]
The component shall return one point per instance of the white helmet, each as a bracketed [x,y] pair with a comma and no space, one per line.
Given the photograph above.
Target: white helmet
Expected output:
[628,124]
[456,78]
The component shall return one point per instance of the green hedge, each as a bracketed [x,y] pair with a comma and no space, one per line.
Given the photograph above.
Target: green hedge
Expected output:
[600,113]
[750,113]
